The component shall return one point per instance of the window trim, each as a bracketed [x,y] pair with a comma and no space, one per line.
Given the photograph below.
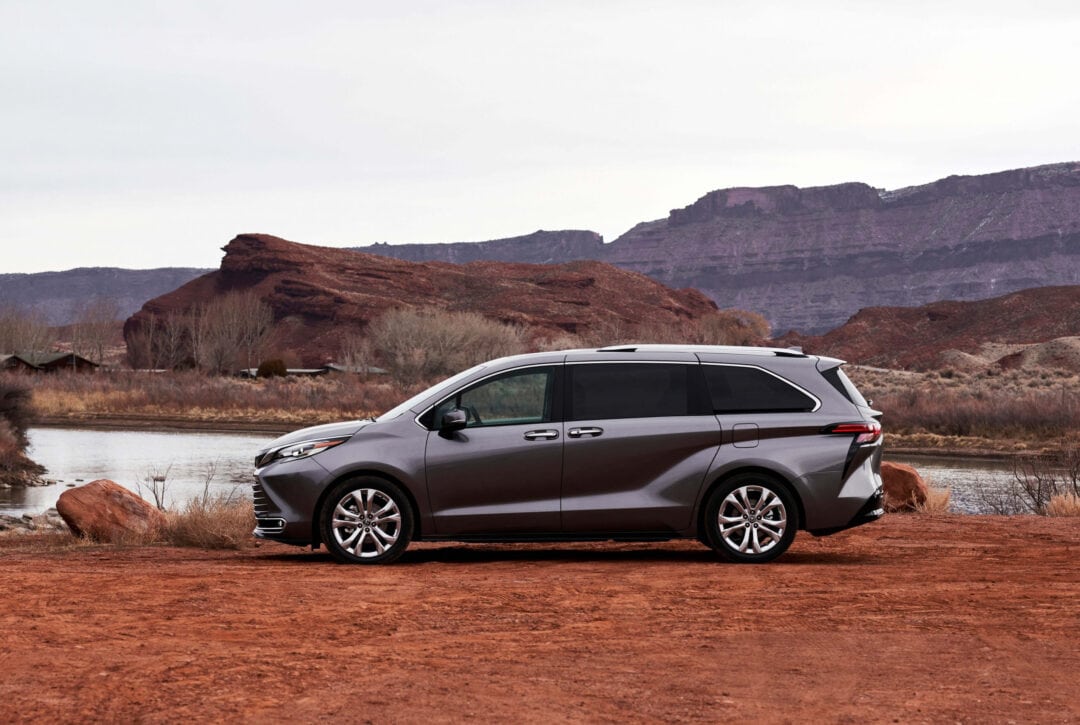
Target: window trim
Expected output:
[555,402]
[781,378]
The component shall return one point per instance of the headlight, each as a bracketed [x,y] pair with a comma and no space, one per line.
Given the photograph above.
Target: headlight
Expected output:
[303,449]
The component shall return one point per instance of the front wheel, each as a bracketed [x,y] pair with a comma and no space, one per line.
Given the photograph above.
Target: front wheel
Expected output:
[751,518]
[366,520]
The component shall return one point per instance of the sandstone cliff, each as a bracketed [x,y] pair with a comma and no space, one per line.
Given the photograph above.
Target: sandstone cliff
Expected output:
[1036,327]
[810,258]
[318,293]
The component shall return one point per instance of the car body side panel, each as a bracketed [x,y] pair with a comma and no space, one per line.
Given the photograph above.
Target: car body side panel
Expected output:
[487,480]
[640,474]
[792,446]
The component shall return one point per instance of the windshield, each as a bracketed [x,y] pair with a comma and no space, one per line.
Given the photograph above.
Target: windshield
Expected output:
[425,394]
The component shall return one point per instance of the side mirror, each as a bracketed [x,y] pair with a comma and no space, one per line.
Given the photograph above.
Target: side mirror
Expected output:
[452,420]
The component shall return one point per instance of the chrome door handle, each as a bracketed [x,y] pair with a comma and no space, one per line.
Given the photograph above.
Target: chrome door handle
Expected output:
[541,435]
[579,432]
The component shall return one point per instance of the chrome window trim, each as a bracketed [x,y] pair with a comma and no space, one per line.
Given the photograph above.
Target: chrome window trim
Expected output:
[440,401]
[781,378]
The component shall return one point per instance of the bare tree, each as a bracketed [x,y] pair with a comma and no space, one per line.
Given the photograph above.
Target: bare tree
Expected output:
[95,327]
[24,331]
[419,345]
[356,353]
[230,330]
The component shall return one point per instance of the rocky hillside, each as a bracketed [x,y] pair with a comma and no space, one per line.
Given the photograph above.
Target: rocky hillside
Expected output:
[318,293]
[537,248]
[1036,327]
[810,258]
[60,296]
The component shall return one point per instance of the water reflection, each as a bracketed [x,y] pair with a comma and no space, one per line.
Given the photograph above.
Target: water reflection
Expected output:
[970,481]
[74,456]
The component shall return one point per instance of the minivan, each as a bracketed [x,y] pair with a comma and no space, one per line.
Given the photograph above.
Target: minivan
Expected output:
[738,447]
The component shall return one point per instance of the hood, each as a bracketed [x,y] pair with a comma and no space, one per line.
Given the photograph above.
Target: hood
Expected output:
[330,430]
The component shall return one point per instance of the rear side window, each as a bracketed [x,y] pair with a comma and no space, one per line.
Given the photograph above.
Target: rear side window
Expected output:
[738,389]
[842,383]
[630,390]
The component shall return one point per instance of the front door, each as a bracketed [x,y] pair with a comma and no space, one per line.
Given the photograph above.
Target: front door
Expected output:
[501,474]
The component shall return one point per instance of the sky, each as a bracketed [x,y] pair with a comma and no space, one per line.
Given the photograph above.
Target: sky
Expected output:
[146,134]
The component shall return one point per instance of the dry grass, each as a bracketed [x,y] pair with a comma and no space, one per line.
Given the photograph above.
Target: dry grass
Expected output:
[211,522]
[937,502]
[192,396]
[1067,504]
[1037,406]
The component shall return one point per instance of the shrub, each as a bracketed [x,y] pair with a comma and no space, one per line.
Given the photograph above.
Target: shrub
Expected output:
[212,522]
[937,502]
[417,346]
[1066,504]
[274,368]
[15,408]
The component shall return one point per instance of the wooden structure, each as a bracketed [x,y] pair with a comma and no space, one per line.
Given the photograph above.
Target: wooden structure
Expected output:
[48,362]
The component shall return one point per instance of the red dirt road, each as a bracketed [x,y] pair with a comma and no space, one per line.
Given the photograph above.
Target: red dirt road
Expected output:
[910,619]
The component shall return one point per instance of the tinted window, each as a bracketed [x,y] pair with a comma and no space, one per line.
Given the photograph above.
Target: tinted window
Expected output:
[841,382]
[752,390]
[629,390]
[519,397]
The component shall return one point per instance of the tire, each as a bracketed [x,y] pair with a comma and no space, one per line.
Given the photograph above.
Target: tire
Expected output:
[366,520]
[751,518]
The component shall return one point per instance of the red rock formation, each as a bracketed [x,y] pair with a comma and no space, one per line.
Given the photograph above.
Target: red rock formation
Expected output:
[319,293]
[917,337]
[810,258]
[905,489]
[106,511]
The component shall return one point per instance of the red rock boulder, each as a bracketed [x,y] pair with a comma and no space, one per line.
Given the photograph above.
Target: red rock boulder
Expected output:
[905,490]
[106,511]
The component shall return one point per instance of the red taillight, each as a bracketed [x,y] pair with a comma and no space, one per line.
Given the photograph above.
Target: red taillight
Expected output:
[864,432]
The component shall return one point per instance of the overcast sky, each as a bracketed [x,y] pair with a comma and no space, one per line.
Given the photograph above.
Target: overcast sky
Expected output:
[145,134]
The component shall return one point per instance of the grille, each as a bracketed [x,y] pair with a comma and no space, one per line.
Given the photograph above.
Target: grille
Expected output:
[260,500]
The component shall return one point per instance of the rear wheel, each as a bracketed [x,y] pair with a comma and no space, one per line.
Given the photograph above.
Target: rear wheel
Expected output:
[751,518]
[366,520]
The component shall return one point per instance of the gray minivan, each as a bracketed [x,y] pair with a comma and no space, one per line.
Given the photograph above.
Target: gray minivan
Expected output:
[738,447]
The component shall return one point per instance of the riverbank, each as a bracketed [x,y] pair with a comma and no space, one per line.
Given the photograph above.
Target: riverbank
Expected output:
[910,619]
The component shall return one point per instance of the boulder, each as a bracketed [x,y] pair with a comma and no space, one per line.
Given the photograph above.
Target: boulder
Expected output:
[106,511]
[905,490]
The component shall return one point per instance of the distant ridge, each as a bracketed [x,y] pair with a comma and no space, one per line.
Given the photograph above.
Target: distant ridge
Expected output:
[59,296]
[810,258]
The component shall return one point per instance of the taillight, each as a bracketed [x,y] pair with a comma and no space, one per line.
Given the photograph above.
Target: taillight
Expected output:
[864,431]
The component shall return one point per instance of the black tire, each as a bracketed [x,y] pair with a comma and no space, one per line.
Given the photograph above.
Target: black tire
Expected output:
[760,518]
[383,520]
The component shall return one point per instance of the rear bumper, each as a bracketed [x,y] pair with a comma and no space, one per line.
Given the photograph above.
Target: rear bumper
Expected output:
[872,510]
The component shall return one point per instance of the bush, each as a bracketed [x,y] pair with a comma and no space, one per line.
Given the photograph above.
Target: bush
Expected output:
[212,522]
[15,409]
[422,345]
[272,369]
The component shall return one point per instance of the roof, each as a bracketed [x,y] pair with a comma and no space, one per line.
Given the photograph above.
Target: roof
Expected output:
[42,359]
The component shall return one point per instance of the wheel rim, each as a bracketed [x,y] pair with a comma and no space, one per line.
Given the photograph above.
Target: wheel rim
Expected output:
[367,522]
[752,520]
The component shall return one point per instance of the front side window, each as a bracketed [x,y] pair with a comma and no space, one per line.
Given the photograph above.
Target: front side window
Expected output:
[601,391]
[515,398]
[740,389]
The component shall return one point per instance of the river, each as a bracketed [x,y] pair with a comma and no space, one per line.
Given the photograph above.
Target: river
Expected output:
[133,459]
[186,459]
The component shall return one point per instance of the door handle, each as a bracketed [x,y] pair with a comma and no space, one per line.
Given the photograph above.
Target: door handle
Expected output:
[592,432]
[541,435]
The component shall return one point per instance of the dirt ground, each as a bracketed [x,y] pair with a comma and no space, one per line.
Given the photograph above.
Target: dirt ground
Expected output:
[910,619]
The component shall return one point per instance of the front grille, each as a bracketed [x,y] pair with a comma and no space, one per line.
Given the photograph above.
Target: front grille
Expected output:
[260,500]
